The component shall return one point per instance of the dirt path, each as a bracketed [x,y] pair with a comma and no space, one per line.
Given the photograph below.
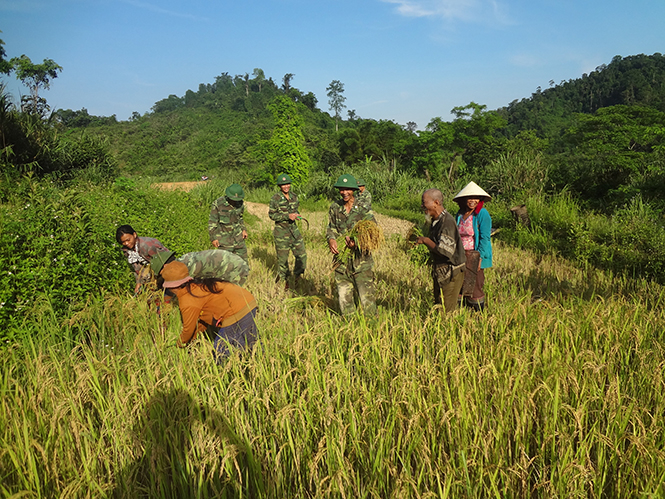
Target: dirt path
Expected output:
[172,186]
[390,225]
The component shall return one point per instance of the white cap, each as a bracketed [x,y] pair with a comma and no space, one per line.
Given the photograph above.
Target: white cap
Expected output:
[472,190]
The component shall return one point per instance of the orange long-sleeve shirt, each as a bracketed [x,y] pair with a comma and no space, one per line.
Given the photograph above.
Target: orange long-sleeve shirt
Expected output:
[231,304]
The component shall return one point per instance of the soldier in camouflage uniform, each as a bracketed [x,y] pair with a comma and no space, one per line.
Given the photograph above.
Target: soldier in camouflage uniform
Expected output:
[215,263]
[358,269]
[226,226]
[364,198]
[284,212]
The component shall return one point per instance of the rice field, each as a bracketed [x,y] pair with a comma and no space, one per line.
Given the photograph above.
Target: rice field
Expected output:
[556,391]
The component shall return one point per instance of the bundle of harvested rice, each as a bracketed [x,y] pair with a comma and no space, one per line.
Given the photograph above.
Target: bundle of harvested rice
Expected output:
[413,235]
[367,235]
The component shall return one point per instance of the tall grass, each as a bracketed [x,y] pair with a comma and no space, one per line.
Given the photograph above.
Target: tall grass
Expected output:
[557,391]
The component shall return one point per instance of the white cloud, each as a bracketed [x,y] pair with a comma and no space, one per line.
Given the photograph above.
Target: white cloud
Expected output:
[450,10]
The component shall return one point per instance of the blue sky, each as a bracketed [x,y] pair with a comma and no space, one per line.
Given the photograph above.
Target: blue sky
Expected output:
[402,60]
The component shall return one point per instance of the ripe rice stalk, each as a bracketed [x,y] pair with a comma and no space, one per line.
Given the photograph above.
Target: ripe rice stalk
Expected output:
[367,235]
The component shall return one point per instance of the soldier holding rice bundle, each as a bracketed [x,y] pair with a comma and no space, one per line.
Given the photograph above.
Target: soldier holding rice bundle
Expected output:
[358,269]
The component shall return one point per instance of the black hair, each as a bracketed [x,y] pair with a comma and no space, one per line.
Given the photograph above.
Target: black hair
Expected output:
[122,230]
[208,283]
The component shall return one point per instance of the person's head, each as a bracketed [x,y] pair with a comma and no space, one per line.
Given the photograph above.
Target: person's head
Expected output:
[432,204]
[160,259]
[470,197]
[467,203]
[234,194]
[284,182]
[361,184]
[126,236]
[175,275]
[346,185]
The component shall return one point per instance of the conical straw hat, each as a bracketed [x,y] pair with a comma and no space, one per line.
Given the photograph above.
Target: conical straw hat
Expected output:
[472,190]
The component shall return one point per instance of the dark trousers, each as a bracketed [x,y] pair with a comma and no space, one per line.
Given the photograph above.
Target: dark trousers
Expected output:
[242,334]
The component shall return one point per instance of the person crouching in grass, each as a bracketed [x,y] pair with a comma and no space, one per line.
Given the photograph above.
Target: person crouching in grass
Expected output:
[138,251]
[220,309]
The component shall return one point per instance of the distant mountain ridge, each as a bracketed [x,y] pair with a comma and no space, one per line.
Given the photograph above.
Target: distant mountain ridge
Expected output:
[633,80]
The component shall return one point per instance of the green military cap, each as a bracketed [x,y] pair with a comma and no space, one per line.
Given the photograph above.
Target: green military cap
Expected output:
[157,262]
[284,178]
[234,192]
[346,181]
[360,182]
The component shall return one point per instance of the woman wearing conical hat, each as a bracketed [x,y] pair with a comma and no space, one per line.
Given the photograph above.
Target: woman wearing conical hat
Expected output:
[475,226]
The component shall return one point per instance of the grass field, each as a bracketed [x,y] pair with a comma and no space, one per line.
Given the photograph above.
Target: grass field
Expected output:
[556,391]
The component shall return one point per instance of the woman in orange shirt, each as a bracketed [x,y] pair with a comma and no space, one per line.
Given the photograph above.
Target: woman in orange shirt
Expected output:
[223,310]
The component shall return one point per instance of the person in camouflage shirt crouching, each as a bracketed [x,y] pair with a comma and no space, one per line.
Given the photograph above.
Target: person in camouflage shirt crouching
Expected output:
[356,269]
[284,212]
[208,264]
[226,226]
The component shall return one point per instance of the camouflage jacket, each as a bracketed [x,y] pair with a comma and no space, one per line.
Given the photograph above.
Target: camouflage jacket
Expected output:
[339,224]
[226,224]
[365,200]
[280,208]
[146,247]
[217,263]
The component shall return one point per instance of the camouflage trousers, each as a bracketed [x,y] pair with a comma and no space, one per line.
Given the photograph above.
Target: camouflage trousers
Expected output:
[289,239]
[363,282]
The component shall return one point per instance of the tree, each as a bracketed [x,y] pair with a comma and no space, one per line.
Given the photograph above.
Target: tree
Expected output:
[286,82]
[336,99]
[35,76]
[606,156]
[285,148]
[5,65]
[171,103]
[433,154]
[259,77]
[309,100]
[475,130]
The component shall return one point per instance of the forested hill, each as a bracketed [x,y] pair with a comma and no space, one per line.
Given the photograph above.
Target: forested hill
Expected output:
[223,125]
[601,137]
[634,80]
